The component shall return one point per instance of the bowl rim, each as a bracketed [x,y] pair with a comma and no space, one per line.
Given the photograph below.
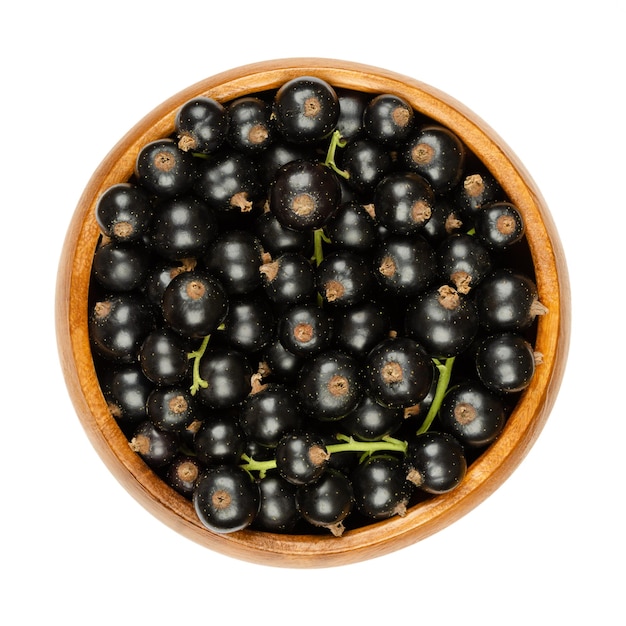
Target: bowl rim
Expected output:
[484,476]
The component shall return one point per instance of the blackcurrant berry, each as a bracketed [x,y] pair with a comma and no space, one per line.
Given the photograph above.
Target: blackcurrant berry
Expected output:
[499,225]
[118,324]
[163,357]
[330,385]
[172,409]
[352,227]
[182,228]
[436,462]
[473,414]
[126,391]
[227,374]
[278,512]
[358,328]
[249,324]
[164,169]
[436,153]
[183,473]
[442,321]
[306,109]
[399,373]
[505,362]
[305,329]
[381,489]
[156,447]
[371,421]
[277,240]
[226,498]
[403,202]
[219,439]
[123,212]
[405,266]
[234,259]
[269,413]
[344,279]
[304,195]
[475,191]
[121,266]
[201,125]
[194,304]
[352,105]
[250,127]
[463,261]
[289,279]
[507,301]
[366,162]
[326,502]
[301,457]
[388,119]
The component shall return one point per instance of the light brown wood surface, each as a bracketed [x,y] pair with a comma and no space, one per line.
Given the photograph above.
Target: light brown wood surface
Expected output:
[484,476]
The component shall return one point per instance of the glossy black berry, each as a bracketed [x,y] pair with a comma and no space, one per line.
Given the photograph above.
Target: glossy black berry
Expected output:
[463,261]
[436,462]
[289,279]
[250,323]
[507,301]
[475,191]
[326,502]
[163,357]
[278,512]
[304,195]
[282,364]
[234,259]
[227,374]
[250,127]
[505,362]
[118,323]
[156,447]
[388,119]
[123,212]
[301,457]
[499,225]
[366,162]
[330,385]
[201,125]
[371,421]
[473,414]
[126,390]
[164,169]
[305,329]
[399,373]
[121,266]
[352,105]
[194,304]
[219,439]
[403,202]
[306,109]
[269,413]
[183,473]
[277,240]
[172,409]
[381,489]
[405,266]
[182,228]
[442,321]
[230,183]
[360,327]
[344,278]
[436,153]
[352,227]
[226,498]
[444,221]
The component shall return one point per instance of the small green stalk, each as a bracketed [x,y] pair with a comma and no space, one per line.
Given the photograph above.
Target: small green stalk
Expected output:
[445,373]
[336,141]
[386,444]
[319,238]
[198,382]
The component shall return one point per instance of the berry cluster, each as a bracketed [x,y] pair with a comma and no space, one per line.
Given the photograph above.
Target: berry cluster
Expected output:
[310,308]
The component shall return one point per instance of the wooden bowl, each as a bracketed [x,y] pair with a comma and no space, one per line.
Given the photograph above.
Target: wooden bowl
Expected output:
[484,476]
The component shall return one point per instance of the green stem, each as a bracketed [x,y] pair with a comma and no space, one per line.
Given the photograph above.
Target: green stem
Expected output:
[336,141]
[198,382]
[445,373]
[319,238]
[386,444]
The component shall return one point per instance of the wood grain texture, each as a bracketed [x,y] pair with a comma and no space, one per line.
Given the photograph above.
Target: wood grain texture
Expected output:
[422,520]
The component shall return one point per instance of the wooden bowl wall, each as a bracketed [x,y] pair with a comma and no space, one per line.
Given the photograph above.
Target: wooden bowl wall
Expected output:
[484,476]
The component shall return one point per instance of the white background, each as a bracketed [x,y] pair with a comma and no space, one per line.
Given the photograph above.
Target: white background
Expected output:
[547,548]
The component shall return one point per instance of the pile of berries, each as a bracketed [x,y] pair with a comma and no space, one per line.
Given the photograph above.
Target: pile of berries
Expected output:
[310,308]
